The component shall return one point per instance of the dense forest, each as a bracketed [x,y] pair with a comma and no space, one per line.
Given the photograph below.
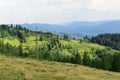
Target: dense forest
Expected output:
[112,40]
[50,47]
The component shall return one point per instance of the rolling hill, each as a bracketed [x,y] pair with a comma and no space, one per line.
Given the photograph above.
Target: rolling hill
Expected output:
[21,42]
[12,68]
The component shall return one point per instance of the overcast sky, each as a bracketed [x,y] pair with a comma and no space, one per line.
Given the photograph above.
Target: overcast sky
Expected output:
[58,11]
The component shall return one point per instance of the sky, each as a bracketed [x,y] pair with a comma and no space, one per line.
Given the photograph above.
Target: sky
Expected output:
[57,11]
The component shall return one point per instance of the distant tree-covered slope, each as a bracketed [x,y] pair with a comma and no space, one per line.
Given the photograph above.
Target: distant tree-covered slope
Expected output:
[112,40]
[80,27]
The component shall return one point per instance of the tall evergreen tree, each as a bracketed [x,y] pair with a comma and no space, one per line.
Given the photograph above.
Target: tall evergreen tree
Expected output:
[106,62]
[116,62]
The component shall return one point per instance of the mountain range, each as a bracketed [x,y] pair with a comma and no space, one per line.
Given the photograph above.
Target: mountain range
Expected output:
[79,27]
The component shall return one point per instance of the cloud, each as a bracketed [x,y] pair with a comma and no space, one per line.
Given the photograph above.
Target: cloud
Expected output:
[57,11]
[108,5]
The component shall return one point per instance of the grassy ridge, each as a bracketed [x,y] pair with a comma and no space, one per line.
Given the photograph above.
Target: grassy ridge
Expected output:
[13,68]
[82,46]
[74,43]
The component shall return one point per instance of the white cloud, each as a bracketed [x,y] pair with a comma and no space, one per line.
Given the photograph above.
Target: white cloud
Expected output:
[105,5]
[57,11]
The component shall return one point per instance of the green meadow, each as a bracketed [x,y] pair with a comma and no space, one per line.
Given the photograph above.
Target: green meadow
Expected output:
[12,68]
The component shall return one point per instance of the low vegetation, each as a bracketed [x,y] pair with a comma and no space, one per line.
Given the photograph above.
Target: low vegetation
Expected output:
[12,68]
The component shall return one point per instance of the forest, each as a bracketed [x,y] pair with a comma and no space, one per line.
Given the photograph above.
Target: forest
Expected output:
[112,40]
[18,41]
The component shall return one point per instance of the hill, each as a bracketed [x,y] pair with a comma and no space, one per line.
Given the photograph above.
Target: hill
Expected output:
[80,27]
[12,68]
[21,42]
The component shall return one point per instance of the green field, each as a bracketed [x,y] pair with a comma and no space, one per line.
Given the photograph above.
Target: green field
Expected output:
[12,68]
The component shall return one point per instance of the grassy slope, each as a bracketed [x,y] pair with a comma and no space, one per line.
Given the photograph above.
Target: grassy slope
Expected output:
[12,68]
[15,42]
[74,43]
[82,46]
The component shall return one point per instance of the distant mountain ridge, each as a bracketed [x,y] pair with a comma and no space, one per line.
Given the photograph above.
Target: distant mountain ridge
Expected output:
[79,27]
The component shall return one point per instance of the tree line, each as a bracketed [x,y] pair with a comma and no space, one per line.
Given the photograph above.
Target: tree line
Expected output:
[112,40]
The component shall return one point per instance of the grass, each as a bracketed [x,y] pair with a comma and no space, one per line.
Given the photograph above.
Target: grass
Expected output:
[66,52]
[12,40]
[30,41]
[12,68]
[82,46]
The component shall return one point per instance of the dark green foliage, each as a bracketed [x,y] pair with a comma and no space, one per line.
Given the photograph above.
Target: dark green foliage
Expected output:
[112,40]
[41,38]
[21,36]
[78,58]
[86,59]
[20,50]
[96,63]
[116,62]
[100,53]
[66,37]
[106,62]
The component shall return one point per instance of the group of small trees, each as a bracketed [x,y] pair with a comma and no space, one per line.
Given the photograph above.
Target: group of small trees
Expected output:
[102,59]
[8,49]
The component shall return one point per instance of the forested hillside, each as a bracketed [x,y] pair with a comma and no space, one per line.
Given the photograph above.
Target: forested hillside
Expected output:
[112,40]
[21,42]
